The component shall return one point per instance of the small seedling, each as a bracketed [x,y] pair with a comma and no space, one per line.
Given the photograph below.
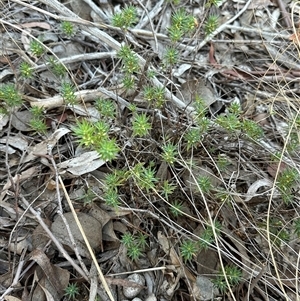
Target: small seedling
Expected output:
[126,18]
[25,70]
[10,95]
[141,125]
[207,237]
[286,181]
[181,23]
[171,56]
[233,275]
[210,3]
[108,149]
[134,245]
[144,177]
[115,179]
[84,131]
[230,122]
[188,250]
[38,125]
[67,28]
[235,109]
[111,198]
[192,137]
[169,153]
[141,240]
[127,239]
[71,291]
[252,129]
[222,162]
[134,252]
[88,197]
[205,184]
[68,93]
[105,107]
[211,24]
[37,48]
[101,129]
[57,68]
[176,208]
[296,226]
[128,82]
[129,59]
[168,188]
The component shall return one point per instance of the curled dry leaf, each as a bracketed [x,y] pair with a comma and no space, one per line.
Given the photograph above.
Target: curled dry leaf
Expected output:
[19,178]
[16,141]
[84,163]
[42,147]
[51,279]
[193,88]
[252,190]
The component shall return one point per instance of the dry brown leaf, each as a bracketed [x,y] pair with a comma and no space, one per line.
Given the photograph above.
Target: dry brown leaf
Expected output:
[19,178]
[11,298]
[82,164]
[169,250]
[193,88]
[51,277]
[41,148]
[91,227]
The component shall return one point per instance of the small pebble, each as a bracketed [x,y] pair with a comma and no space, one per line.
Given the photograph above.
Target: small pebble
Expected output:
[131,292]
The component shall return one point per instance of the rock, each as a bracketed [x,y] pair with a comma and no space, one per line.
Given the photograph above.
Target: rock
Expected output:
[204,289]
[131,292]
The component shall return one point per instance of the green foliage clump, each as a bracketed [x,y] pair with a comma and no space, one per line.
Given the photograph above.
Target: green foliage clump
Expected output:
[210,3]
[37,48]
[105,107]
[37,122]
[207,237]
[154,95]
[71,291]
[182,23]
[222,162]
[233,275]
[56,67]
[144,177]
[67,28]
[193,137]
[129,59]
[169,153]
[229,122]
[26,70]
[135,244]
[141,125]
[68,93]
[205,184]
[211,24]
[95,135]
[171,56]
[176,208]
[188,250]
[286,180]
[167,188]
[10,96]
[126,18]
[252,129]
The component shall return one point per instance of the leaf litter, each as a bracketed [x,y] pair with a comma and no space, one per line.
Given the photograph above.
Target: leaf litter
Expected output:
[251,60]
